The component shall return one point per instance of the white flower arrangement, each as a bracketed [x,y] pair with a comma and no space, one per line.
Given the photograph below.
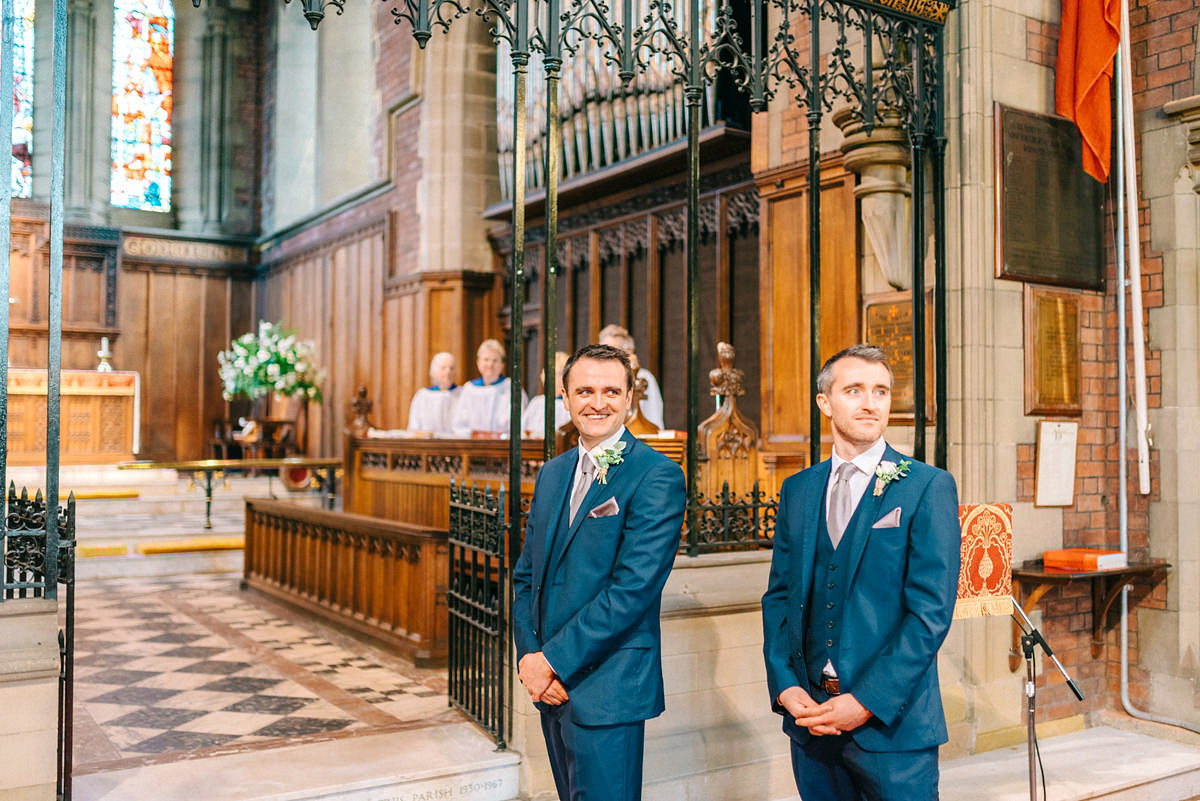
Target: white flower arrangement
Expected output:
[606,458]
[887,472]
[270,360]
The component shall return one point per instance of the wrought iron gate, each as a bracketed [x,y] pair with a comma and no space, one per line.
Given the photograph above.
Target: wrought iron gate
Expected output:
[33,563]
[883,59]
[38,548]
[478,607]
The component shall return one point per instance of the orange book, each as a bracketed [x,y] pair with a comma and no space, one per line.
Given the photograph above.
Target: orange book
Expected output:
[1084,559]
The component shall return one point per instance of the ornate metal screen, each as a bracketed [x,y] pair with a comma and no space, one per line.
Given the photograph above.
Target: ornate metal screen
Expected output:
[477,606]
[644,62]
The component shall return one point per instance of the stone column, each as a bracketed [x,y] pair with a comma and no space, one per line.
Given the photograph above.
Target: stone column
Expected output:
[29,697]
[880,159]
[83,145]
[458,149]
[215,156]
[1169,638]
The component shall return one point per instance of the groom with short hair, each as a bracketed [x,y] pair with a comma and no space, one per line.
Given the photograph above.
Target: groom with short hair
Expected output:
[600,541]
[861,594]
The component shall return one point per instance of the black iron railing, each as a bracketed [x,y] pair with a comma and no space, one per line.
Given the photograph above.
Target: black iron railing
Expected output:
[23,544]
[730,522]
[31,569]
[477,602]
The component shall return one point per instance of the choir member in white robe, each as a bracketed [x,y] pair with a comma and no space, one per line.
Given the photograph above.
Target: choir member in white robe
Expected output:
[483,403]
[432,408]
[533,421]
[652,402]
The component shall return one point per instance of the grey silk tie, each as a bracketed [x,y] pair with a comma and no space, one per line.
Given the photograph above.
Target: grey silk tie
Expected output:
[581,486]
[840,507]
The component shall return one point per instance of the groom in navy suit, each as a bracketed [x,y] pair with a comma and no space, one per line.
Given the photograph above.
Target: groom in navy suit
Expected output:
[601,538]
[861,594]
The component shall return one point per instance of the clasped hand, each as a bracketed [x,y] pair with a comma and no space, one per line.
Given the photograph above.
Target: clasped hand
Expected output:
[540,679]
[839,714]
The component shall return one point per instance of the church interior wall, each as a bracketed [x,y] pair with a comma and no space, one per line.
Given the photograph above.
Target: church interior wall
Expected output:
[375,164]
[1008,55]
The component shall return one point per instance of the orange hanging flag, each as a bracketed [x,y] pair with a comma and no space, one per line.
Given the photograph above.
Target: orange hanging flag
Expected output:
[1087,42]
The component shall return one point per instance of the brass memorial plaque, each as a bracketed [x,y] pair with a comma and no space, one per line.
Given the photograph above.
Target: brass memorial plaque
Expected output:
[887,323]
[1049,212]
[1053,383]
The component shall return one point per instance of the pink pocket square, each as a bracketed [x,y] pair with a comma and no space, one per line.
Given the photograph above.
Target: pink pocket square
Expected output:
[890,520]
[606,509]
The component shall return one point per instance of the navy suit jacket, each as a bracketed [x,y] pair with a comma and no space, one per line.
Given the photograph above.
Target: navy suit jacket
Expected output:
[898,606]
[587,595]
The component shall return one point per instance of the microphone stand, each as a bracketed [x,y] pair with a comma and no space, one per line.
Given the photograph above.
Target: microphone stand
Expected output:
[1031,637]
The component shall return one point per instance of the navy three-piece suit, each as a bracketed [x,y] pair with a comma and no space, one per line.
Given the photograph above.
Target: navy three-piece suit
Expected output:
[886,598]
[587,596]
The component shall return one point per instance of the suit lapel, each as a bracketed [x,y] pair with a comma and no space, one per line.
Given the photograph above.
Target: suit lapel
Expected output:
[615,474]
[556,519]
[812,504]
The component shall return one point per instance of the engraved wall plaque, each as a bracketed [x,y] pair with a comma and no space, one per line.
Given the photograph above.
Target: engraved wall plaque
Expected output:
[1049,212]
[1053,357]
[1055,477]
[887,323]
[179,250]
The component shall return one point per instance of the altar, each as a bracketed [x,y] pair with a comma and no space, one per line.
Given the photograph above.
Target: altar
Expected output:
[99,416]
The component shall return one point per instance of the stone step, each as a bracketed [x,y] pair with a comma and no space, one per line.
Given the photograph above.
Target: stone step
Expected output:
[1100,762]
[90,515]
[745,760]
[90,475]
[451,761]
[181,563]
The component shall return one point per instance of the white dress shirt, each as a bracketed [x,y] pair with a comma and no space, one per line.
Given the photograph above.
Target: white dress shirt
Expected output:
[584,453]
[866,462]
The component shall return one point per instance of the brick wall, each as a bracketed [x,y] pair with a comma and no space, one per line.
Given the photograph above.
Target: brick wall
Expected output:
[249,69]
[1163,51]
[397,49]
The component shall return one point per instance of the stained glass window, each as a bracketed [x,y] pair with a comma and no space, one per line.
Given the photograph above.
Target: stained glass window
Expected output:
[143,65]
[22,135]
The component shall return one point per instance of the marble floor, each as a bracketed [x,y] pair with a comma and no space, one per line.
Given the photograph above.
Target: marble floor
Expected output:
[189,667]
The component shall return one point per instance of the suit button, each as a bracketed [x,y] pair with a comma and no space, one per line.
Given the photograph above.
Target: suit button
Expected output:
[829,605]
[830,586]
[829,624]
[829,643]
[832,568]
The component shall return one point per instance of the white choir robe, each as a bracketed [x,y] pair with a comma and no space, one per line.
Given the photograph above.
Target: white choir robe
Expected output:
[533,421]
[483,408]
[652,402]
[432,409]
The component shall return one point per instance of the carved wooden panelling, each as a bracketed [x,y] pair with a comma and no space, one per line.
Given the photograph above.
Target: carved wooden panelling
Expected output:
[95,418]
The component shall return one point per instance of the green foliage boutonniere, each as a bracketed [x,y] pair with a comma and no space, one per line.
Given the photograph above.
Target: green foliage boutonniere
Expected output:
[887,472]
[606,458]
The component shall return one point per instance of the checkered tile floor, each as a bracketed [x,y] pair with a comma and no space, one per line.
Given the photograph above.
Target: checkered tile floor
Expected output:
[167,666]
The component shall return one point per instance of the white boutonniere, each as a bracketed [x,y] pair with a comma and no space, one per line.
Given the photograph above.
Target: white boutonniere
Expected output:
[887,472]
[606,458]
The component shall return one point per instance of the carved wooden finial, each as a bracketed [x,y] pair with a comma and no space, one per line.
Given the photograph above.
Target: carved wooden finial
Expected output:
[635,421]
[727,442]
[726,379]
[360,407]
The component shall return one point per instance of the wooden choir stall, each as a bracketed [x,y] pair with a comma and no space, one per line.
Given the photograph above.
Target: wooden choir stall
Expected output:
[380,567]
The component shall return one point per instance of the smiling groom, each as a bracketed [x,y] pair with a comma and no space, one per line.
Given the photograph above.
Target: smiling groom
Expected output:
[861,594]
[601,537]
